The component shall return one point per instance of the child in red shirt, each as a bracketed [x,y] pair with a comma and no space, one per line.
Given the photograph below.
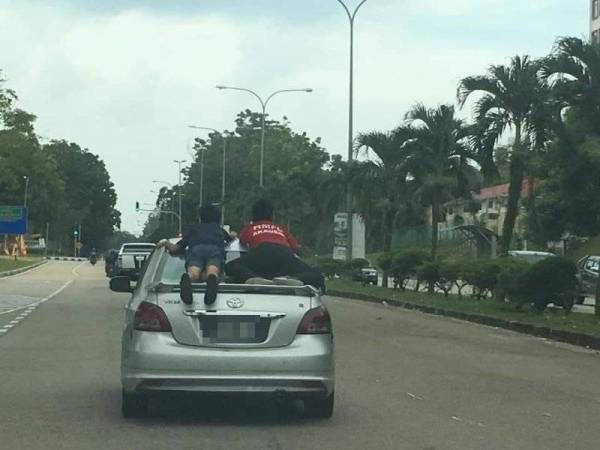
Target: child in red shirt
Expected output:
[272,253]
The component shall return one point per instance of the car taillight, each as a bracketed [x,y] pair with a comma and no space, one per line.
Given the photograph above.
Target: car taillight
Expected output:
[149,317]
[315,321]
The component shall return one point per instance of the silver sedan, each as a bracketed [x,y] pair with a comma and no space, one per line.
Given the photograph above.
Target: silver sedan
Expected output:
[271,340]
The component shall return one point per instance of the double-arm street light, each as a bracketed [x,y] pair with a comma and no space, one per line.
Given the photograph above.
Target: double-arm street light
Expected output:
[223,138]
[351,17]
[263,104]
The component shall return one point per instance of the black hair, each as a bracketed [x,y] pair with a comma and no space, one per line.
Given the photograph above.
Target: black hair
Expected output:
[209,214]
[262,210]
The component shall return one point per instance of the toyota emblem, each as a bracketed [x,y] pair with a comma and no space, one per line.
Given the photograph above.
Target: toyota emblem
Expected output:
[235,303]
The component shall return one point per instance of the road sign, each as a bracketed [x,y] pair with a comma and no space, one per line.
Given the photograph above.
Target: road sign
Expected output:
[13,220]
[79,246]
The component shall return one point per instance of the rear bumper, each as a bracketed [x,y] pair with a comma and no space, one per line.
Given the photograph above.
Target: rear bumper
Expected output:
[155,362]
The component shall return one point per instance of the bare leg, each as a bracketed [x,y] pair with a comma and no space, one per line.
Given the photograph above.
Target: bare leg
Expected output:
[195,273]
[212,270]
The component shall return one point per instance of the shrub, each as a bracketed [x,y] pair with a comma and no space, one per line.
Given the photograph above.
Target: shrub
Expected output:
[483,276]
[551,280]
[429,273]
[404,266]
[359,263]
[510,272]
[449,276]
[330,267]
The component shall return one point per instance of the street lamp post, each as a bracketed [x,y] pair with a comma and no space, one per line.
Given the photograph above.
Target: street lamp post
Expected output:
[26,178]
[351,18]
[222,169]
[179,162]
[263,104]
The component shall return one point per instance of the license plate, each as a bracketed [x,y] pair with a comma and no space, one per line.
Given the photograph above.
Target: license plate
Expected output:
[140,258]
[234,329]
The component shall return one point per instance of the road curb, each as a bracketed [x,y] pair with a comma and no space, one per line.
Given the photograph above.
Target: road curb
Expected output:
[10,273]
[579,339]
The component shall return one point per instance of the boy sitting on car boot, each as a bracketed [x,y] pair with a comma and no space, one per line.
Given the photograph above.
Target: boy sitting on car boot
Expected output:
[272,254]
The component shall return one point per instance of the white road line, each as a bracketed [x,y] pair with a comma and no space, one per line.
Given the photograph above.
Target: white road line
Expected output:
[33,306]
[14,322]
[7,327]
[27,272]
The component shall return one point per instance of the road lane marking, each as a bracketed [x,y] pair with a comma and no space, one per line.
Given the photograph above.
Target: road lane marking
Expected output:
[33,306]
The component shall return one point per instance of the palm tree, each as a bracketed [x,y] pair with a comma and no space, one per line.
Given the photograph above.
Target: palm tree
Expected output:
[513,96]
[380,184]
[439,158]
[573,70]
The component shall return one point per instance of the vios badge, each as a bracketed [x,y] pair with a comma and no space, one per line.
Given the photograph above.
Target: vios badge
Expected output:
[235,303]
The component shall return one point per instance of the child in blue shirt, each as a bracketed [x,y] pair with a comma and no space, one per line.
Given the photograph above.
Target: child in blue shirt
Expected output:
[204,246]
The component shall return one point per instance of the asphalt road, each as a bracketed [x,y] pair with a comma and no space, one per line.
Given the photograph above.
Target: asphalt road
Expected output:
[405,381]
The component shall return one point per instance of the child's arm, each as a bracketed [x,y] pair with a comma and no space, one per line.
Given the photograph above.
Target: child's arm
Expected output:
[173,249]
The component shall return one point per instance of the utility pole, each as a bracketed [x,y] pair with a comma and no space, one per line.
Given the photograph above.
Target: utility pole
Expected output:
[47,238]
[349,205]
[179,162]
[223,137]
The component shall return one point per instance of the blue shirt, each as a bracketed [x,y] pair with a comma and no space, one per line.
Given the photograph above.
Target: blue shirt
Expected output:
[204,234]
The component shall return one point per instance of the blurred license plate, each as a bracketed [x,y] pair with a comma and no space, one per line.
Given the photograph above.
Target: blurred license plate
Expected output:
[234,329]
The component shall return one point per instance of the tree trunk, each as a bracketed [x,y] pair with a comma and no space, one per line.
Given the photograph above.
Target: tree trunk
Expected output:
[517,169]
[388,229]
[435,214]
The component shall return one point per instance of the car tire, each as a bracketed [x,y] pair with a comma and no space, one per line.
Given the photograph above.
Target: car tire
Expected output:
[134,406]
[319,408]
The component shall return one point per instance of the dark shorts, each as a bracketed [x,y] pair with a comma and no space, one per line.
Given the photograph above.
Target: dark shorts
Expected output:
[204,255]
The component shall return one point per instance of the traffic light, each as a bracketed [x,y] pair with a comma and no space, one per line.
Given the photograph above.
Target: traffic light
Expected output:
[137,206]
[76,232]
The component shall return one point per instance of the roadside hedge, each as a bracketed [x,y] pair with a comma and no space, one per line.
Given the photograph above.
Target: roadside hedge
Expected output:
[504,279]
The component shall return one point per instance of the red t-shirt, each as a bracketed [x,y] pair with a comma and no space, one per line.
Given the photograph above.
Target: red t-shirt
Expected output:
[267,232]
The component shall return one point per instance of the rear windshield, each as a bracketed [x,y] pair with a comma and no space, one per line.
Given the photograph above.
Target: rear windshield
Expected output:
[138,248]
[171,268]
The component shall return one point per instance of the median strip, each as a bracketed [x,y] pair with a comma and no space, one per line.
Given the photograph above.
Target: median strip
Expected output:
[577,329]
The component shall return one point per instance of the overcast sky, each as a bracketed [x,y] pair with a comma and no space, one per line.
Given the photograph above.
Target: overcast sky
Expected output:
[124,78]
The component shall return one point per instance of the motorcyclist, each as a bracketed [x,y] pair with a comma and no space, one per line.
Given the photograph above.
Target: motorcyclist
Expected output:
[93,256]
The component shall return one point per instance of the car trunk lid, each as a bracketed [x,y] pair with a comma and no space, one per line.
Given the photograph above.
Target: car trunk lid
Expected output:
[242,315]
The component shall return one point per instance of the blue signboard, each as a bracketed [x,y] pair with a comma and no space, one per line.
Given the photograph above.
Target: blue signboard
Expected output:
[13,220]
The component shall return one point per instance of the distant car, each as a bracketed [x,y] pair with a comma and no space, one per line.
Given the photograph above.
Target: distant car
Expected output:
[262,340]
[588,269]
[366,275]
[131,259]
[530,256]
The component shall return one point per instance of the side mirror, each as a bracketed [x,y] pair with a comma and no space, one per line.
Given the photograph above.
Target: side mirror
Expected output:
[121,284]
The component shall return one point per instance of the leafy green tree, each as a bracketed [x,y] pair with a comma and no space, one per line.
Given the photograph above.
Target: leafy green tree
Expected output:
[512,96]
[303,182]
[89,195]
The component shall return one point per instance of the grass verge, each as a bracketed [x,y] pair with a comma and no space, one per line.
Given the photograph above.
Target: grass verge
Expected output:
[7,264]
[554,319]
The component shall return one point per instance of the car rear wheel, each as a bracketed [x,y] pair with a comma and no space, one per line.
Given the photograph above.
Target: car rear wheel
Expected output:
[134,406]
[320,408]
